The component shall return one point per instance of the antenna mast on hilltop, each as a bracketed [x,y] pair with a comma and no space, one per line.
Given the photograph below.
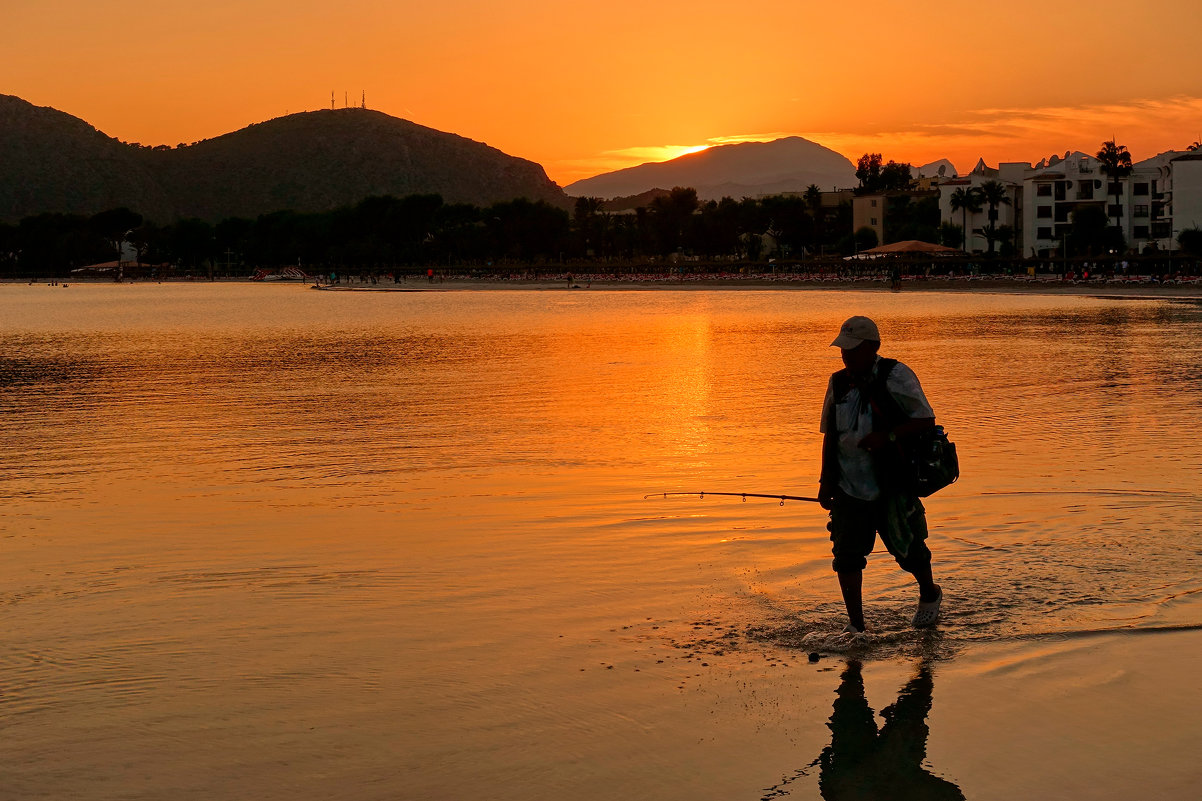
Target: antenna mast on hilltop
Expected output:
[331,100]
[344,103]
[364,101]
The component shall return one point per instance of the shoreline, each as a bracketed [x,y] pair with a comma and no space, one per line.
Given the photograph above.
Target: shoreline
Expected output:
[1132,289]
[1125,290]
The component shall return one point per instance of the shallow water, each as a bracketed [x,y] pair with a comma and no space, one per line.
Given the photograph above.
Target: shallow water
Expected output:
[260,541]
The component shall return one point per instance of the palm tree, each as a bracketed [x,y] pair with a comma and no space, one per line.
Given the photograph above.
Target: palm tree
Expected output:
[1115,163]
[965,201]
[994,194]
[813,199]
[588,209]
[1005,235]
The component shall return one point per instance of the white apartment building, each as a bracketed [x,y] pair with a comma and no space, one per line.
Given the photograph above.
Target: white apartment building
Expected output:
[1160,198]
[1142,206]
[1185,206]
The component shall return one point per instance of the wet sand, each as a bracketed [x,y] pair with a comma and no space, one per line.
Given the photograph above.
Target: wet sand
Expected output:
[1110,716]
[1107,716]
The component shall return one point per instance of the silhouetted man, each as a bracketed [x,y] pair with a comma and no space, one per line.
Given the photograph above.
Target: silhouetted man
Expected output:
[870,405]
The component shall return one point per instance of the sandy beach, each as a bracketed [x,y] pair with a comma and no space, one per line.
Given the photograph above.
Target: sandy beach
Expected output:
[1105,716]
[1050,286]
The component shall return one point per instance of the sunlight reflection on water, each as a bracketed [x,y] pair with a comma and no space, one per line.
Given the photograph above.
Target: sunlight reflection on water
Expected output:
[426,501]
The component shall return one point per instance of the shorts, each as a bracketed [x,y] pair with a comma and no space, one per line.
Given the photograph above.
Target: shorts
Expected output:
[854,525]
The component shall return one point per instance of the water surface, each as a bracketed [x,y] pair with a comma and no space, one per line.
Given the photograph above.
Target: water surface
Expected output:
[260,541]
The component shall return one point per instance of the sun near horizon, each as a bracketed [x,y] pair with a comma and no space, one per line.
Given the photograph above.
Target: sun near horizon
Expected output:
[676,151]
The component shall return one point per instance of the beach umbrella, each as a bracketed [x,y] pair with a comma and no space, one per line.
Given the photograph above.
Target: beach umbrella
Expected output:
[914,247]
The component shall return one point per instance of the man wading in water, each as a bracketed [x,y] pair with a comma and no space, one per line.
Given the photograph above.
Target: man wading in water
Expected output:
[869,406]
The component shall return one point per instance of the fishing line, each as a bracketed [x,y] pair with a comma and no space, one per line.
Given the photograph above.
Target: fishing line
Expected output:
[1134,493]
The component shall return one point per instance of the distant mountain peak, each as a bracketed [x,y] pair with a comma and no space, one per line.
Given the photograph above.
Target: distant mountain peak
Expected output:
[789,164]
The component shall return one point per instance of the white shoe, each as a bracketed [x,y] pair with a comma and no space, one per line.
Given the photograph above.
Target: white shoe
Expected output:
[928,613]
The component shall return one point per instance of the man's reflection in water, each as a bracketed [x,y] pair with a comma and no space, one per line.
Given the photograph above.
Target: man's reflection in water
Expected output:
[863,762]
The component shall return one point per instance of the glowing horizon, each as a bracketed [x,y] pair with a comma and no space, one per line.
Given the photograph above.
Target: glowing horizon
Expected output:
[995,135]
[582,93]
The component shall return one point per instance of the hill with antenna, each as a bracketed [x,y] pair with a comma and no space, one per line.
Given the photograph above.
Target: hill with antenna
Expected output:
[310,161]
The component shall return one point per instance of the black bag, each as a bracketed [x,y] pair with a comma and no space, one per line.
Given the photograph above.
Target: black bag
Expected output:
[931,461]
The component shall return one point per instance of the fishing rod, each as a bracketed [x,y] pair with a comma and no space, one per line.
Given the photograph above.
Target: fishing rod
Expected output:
[1139,493]
[743,495]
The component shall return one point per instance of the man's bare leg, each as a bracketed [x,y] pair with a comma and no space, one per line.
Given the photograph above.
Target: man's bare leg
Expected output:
[928,590]
[851,582]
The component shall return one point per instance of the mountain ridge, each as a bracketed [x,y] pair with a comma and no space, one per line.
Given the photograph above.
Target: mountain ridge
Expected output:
[51,161]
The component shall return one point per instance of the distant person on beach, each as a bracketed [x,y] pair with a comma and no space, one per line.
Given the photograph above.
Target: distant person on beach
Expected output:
[869,405]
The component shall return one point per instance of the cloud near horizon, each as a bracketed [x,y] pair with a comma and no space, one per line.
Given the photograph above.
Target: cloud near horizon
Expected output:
[1147,127]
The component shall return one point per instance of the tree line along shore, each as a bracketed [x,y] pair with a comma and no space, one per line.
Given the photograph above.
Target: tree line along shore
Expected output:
[674,234]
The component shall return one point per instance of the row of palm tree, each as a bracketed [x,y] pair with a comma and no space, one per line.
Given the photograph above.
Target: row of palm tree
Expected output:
[1113,161]
[968,200]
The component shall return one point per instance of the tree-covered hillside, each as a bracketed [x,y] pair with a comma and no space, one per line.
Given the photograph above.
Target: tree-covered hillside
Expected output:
[51,162]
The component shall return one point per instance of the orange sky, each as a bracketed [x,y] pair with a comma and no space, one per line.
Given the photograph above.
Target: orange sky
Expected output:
[586,88]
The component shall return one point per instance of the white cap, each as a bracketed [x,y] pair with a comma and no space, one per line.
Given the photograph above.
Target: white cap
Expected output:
[854,331]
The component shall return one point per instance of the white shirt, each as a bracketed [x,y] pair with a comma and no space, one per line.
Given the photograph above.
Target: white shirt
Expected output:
[853,421]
